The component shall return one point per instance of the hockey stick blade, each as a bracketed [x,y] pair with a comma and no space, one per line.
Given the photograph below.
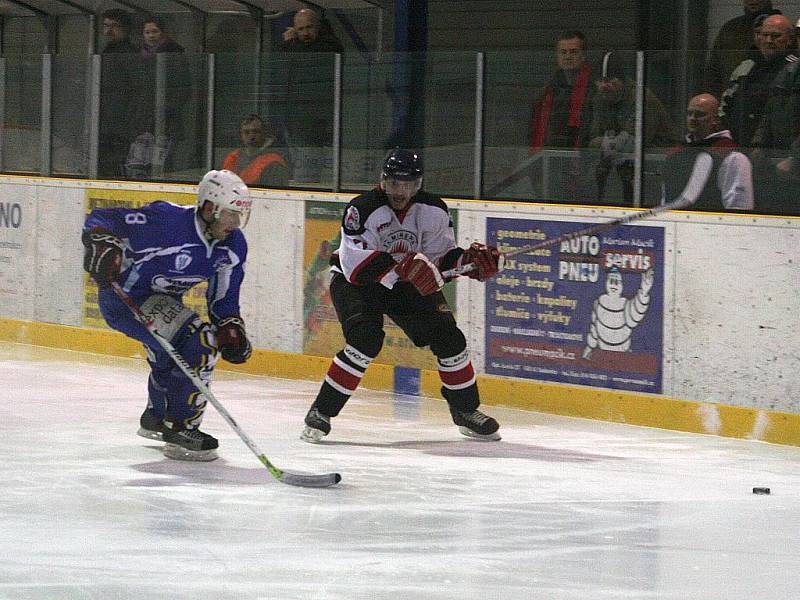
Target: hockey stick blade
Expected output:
[301,479]
[700,174]
[287,477]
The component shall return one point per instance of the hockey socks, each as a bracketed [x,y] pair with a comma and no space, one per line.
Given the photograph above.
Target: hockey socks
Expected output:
[456,372]
[460,390]
[343,377]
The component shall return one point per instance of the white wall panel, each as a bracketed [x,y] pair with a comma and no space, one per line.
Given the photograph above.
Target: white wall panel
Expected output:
[18,235]
[737,335]
[59,254]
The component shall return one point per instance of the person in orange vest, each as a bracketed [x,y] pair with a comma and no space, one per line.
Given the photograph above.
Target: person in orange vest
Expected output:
[260,161]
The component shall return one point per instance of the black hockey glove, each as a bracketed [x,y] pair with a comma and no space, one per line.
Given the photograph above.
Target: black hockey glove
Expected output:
[102,258]
[232,340]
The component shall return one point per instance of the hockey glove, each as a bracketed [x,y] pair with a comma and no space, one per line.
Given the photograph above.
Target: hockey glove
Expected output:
[488,261]
[417,269]
[232,341]
[102,258]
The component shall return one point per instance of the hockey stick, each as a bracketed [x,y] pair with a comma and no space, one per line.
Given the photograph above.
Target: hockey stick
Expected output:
[289,477]
[697,181]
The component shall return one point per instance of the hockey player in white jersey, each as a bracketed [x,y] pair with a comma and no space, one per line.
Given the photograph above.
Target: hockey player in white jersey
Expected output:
[157,253]
[396,240]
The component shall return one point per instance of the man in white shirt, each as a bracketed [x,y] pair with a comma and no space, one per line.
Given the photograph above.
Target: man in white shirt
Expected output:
[728,180]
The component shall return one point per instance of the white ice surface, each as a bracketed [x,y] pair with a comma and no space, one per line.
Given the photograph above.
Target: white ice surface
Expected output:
[560,509]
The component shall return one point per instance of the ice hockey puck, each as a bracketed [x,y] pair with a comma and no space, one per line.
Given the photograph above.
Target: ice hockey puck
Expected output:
[761,490]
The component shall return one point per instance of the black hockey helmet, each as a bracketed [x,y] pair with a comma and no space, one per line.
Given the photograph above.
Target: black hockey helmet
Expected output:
[403,165]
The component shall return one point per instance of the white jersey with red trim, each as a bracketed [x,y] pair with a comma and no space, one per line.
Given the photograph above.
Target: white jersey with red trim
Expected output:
[375,237]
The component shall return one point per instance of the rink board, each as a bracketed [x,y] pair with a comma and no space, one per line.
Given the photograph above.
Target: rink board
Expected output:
[576,401]
[727,354]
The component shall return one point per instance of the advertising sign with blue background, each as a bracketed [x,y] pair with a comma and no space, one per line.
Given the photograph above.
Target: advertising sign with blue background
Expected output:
[585,311]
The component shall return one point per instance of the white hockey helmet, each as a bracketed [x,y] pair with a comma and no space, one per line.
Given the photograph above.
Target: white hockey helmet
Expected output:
[226,191]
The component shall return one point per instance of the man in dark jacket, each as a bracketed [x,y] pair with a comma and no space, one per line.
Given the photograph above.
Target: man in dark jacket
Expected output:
[117,93]
[310,48]
[776,139]
[309,35]
[743,102]
[734,39]
[117,31]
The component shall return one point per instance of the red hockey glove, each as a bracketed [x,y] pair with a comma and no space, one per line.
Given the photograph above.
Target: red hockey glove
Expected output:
[102,258]
[232,341]
[488,261]
[417,269]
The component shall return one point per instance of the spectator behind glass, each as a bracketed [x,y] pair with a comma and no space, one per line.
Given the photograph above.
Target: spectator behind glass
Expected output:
[729,185]
[263,157]
[613,127]
[117,31]
[743,102]
[117,93]
[309,93]
[151,154]
[732,43]
[310,34]
[776,146]
[561,115]
[156,39]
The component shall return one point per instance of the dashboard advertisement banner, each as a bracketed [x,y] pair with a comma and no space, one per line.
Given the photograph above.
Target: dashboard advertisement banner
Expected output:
[585,311]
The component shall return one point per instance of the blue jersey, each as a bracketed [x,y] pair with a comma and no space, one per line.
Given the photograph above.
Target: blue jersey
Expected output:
[167,253]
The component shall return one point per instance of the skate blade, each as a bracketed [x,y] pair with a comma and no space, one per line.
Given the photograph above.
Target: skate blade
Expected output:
[150,434]
[489,437]
[311,435]
[176,452]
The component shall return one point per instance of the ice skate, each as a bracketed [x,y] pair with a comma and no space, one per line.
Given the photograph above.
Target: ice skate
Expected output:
[317,426]
[190,444]
[151,426]
[474,424]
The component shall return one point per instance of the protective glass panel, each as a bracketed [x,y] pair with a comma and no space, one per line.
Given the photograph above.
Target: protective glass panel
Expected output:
[288,98]
[424,102]
[71,113]
[22,114]
[152,116]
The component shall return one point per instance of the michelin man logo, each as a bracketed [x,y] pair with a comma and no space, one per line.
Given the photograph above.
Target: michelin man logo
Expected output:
[614,316]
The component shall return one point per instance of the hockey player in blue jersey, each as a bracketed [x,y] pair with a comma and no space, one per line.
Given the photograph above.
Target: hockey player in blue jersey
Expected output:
[157,253]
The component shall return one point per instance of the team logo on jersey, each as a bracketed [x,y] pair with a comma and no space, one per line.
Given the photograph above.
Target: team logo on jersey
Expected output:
[397,243]
[173,285]
[182,261]
[352,220]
